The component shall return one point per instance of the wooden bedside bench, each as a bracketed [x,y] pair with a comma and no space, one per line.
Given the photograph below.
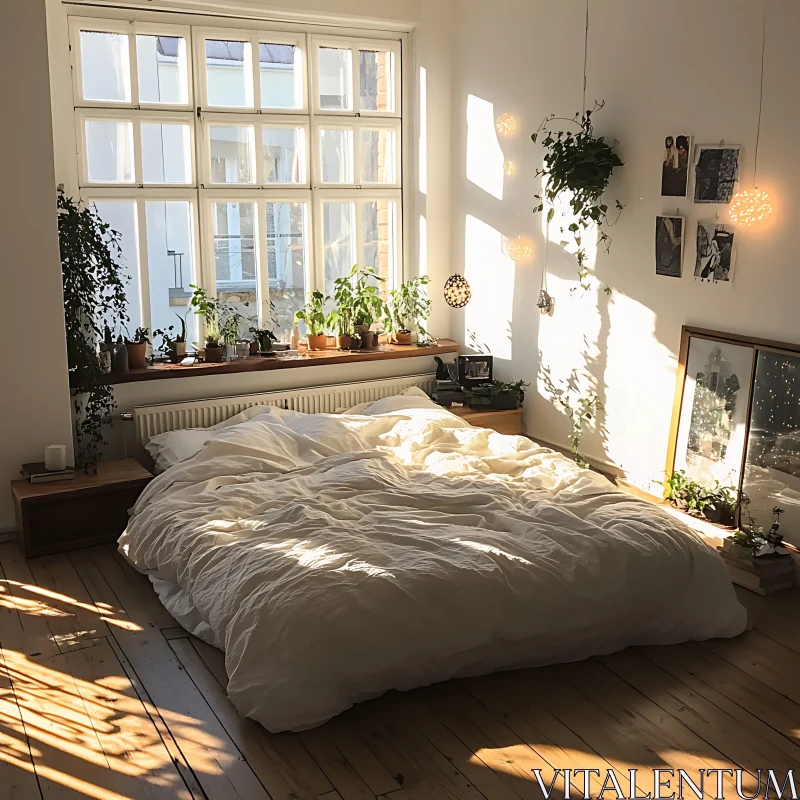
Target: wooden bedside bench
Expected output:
[89,509]
[508,422]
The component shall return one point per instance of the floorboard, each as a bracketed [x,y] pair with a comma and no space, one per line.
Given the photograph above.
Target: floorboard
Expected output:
[104,695]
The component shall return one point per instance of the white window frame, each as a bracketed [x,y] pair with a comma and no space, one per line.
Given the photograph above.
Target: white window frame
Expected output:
[202,193]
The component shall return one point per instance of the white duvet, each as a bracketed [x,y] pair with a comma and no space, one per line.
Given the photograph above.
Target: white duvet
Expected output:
[335,557]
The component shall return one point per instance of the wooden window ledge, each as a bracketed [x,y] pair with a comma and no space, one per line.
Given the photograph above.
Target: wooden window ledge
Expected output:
[305,359]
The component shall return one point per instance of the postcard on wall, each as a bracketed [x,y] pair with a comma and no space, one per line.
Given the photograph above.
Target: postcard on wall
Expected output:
[669,246]
[716,171]
[675,166]
[716,252]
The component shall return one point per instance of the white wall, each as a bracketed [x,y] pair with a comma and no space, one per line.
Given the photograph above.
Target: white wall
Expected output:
[687,67]
[34,399]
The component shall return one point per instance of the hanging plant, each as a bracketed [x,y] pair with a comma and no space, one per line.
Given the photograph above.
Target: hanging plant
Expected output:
[94,295]
[577,164]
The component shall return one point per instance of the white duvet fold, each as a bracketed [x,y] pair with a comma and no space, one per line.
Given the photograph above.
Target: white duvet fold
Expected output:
[336,557]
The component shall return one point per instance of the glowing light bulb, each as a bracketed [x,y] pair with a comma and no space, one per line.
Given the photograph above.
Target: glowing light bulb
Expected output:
[750,207]
[510,168]
[505,125]
[520,249]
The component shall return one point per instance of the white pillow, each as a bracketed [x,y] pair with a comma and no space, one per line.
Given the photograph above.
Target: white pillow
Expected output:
[170,448]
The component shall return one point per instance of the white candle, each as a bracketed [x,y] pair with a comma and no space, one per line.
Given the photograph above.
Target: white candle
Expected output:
[55,457]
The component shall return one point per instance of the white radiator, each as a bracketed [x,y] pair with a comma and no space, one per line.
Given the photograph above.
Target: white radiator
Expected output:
[152,420]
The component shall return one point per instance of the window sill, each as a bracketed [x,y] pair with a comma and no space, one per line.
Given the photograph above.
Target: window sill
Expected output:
[306,359]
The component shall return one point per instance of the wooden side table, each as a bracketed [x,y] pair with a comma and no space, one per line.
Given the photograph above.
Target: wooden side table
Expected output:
[508,422]
[90,509]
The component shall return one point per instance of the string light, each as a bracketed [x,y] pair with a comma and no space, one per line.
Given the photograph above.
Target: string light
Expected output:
[749,207]
[505,125]
[520,249]
[510,167]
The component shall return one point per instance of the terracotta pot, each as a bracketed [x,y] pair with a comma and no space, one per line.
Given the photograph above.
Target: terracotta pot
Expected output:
[137,352]
[344,342]
[403,337]
[214,354]
[317,341]
[180,349]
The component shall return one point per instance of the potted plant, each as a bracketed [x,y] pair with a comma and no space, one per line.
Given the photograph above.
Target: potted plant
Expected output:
[229,323]
[358,295]
[264,338]
[313,314]
[180,339]
[137,348]
[94,290]
[169,344]
[577,166]
[208,308]
[717,504]
[408,309]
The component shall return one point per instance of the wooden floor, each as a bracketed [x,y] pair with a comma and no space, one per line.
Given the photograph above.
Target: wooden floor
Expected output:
[103,696]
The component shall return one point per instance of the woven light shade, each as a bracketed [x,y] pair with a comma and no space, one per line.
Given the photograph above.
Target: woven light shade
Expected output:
[456,291]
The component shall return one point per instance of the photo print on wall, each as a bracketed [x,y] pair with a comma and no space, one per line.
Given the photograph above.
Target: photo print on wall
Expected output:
[716,170]
[669,246]
[716,252]
[675,166]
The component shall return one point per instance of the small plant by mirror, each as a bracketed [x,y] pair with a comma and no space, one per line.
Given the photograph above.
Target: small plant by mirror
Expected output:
[408,307]
[577,165]
[758,542]
[94,292]
[694,498]
[313,314]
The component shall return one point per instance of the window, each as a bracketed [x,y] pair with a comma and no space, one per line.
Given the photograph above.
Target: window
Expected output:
[260,165]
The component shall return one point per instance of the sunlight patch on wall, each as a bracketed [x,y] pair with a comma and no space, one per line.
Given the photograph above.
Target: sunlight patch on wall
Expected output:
[561,234]
[490,272]
[485,160]
[640,380]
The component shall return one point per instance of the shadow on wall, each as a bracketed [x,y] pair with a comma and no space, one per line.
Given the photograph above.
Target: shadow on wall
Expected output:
[593,348]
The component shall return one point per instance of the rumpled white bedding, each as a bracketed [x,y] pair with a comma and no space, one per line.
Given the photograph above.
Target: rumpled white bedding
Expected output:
[336,557]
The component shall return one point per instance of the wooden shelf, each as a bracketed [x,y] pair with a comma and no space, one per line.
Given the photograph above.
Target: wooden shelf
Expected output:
[508,421]
[306,359]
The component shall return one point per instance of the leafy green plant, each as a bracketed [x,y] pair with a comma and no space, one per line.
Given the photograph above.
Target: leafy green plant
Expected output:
[229,325]
[357,298]
[313,314]
[408,307]
[181,337]
[140,336]
[94,292]
[264,337]
[756,540]
[207,308]
[577,165]
[516,388]
[169,342]
[694,498]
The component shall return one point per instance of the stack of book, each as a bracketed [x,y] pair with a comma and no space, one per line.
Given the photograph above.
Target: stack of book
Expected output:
[38,473]
[761,575]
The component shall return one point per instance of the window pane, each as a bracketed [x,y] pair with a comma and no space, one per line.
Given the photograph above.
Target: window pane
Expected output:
[286,260]
[337,155]
[109,150]
[166,153]
[377,80]
[122,217]
[284,151]
[161,64]
[105,67]
[379,221]
[233,154]
[170,264]
[235,258]
[338,240]
[378,153]
[281,71]
[335,79]
[229,74]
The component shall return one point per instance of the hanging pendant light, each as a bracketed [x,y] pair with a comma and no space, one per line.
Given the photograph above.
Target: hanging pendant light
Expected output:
[456,291]
[520,249]
[505,125]
[751,206]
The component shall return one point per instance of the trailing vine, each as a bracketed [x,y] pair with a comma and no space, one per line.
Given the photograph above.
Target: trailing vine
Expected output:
[578,164]
[94,294]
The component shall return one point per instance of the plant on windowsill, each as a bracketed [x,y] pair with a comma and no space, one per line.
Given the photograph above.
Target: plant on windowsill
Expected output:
[94,290]
[313,314]
[265,338]
[407,310]
[716,504]
[358,294]
[137,348]
[230,323]
[578,167]
[208,308]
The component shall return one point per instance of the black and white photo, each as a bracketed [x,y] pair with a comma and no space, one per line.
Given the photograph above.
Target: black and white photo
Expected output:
[716,170]
[675,166]
[669,246]
[716,252]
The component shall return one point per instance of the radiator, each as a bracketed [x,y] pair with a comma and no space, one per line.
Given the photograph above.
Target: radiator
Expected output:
[152,420]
